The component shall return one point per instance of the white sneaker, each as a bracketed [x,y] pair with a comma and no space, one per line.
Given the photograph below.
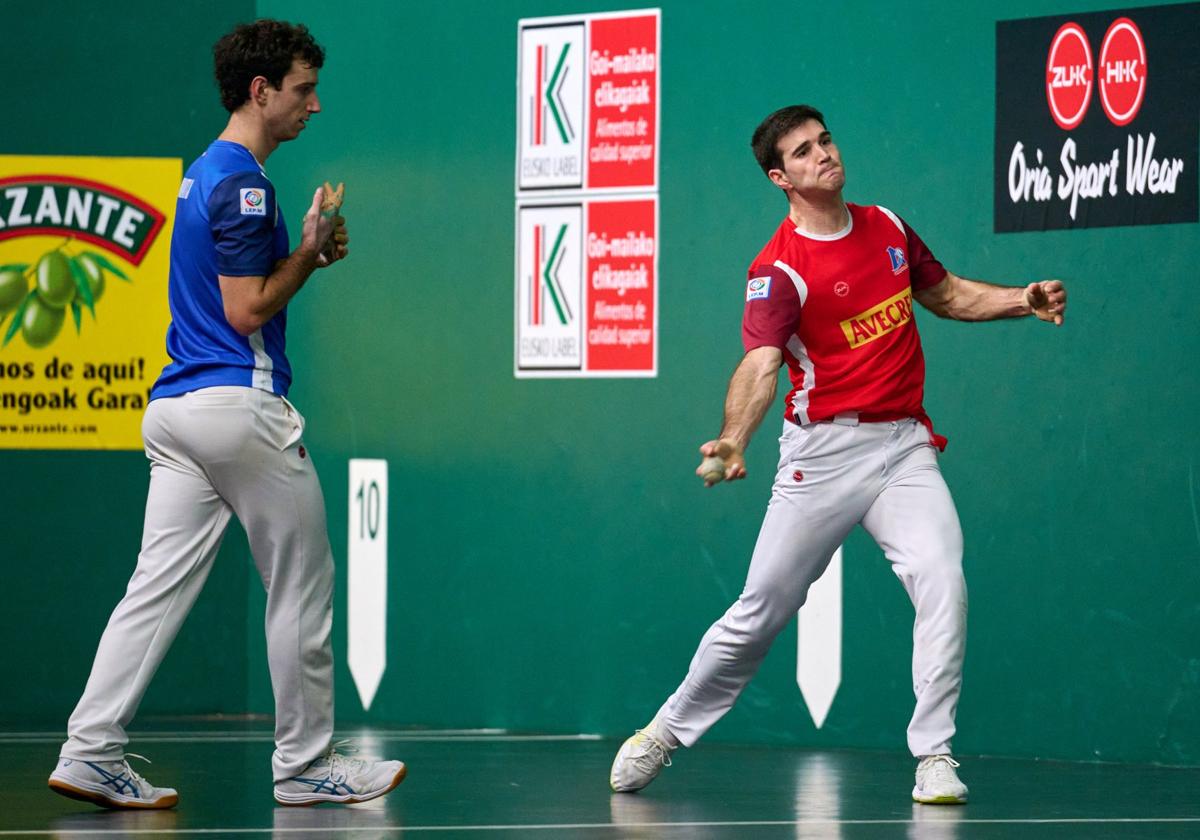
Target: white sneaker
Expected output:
[338,778]
[937,783]
[640,759]
[109,784]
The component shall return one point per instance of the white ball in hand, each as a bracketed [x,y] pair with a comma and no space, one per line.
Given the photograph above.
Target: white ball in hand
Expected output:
[712,469]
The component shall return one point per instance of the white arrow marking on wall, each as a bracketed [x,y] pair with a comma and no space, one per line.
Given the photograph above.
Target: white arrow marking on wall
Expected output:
[819,648]
[366,584]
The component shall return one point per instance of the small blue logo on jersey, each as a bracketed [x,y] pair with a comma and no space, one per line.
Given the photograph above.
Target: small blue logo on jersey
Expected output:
[758,289]
[896,255]
[253,202]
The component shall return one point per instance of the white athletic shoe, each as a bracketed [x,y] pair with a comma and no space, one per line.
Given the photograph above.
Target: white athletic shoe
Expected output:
[338,778]
[109,784]
[937,783]
[640,759]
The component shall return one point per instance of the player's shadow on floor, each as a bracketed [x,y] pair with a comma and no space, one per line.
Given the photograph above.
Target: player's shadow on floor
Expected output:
[367,821]
[119,824]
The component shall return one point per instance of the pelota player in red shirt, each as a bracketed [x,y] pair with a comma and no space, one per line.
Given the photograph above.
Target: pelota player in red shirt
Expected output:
[831,296]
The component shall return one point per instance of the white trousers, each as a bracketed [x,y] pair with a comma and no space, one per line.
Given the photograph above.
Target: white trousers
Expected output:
[833,476]
[213,453]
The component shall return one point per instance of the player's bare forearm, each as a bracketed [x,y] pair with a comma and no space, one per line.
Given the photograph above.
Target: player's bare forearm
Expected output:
[751,392]
[974,300]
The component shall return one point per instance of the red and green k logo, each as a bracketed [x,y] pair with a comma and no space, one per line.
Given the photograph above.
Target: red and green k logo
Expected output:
[550,112]
[545,282]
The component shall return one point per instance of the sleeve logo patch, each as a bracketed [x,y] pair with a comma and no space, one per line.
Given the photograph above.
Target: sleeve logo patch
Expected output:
[758,289]
[253,202]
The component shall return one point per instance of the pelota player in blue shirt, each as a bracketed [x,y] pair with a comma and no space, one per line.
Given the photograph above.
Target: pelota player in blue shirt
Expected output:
[223,440]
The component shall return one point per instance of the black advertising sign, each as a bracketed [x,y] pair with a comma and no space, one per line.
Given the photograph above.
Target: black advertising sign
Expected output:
[1096,119]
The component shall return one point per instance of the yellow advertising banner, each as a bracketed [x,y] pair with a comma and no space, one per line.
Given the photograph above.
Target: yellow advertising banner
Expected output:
[84,247]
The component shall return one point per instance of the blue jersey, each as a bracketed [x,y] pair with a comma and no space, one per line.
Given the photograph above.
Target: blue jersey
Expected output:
[226,222]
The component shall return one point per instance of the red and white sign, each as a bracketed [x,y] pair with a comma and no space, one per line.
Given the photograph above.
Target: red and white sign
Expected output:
[1069,76]
[587,102]
[622,142]
[587,291]
[1122,71]
[586,295]
[622,246]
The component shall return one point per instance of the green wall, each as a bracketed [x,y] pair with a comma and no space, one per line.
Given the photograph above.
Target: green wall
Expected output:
[105,79]
[553,559]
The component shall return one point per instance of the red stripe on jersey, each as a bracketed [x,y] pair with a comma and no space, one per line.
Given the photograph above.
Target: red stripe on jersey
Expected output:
[840,309]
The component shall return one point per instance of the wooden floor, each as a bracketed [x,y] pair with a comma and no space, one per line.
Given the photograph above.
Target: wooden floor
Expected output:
[482,784]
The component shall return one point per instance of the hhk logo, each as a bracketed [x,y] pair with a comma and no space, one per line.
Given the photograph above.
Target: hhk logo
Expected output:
[1122,71]
[549,110]
[545,285]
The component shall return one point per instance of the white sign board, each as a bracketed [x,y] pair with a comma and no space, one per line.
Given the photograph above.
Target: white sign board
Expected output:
[366,613]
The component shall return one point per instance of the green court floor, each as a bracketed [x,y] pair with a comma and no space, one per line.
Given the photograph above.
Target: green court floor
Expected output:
[490,784]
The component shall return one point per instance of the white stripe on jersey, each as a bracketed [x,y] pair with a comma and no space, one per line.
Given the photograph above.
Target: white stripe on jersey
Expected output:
[797,280]
[895,219]
[800,399]
[796,347]
[263,366]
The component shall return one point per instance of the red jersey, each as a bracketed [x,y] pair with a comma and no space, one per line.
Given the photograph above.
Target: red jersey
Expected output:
[840,307]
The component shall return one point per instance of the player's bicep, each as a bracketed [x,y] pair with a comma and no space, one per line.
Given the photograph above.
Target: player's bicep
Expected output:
[924,269]
[241,212]
[772,310]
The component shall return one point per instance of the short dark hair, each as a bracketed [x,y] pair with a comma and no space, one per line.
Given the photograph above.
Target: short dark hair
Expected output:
[263,48]
[765,141]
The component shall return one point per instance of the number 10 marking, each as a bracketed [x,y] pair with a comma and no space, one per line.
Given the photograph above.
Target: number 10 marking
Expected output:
[366,576]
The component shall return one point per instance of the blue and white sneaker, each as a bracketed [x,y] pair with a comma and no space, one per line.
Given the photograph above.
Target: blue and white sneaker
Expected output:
[338,778]
[109,784]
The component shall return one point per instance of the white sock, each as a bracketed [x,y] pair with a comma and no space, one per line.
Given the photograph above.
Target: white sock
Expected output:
[659,730]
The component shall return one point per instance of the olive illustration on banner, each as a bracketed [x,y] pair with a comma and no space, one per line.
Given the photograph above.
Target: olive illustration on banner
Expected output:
[13,287]
[94,274]
[55,285]
[61,280]
[41,322]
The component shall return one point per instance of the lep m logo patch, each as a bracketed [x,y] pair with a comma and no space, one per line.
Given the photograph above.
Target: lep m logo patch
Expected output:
[758,289]
[252,201]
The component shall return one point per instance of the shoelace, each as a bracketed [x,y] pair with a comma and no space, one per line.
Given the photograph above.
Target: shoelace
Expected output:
[656,753]
[133,774]
[940,767]
[342,760]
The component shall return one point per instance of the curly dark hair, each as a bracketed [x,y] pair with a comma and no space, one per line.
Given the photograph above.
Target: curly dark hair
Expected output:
[263,48]
[765,142]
